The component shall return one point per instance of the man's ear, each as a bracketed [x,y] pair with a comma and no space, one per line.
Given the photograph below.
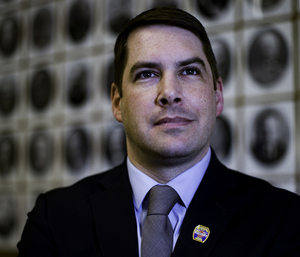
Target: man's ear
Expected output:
[219,96]
[116,102]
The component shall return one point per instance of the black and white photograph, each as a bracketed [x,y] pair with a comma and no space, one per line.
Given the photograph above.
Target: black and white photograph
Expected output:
[9,35]
[40,152]
[79,23]
[115,144]
[163,3]
[8,95]
[270,139]
[41,89]
[8,154]
[77,150]
[224,47]
[268,59]
[215,12]
[78,85]
[221,141]
[223,57]
[261,9]
[266,4]
[212,9]
[8,217]
[109,70]
[118,14]
[42,27]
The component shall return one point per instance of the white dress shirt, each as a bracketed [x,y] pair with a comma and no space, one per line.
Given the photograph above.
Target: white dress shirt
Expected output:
[185,185]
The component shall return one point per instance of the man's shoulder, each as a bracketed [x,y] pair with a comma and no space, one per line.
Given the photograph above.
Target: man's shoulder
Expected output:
[263,191]
[245,184]
[249,181]
[88,185]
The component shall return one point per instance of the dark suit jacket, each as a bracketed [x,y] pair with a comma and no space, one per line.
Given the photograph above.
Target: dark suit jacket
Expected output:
[95,217]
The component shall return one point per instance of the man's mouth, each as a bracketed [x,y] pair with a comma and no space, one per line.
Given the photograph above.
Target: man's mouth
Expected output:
[169,120]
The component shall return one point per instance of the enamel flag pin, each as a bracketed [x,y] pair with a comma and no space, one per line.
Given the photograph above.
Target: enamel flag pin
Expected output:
[201,233]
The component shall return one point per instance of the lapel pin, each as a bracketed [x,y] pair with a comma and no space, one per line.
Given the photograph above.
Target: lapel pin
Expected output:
[201,233]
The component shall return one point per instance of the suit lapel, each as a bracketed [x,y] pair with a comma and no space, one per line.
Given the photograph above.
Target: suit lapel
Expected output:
[212,206]
[114,216]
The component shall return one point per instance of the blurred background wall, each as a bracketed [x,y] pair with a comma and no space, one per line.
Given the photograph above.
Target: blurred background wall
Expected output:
[56,70]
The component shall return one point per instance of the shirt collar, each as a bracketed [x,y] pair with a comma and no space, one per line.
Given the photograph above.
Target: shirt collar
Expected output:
[185,184]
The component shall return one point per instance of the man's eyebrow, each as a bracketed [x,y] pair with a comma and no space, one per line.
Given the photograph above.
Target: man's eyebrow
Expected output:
[140,65]
[190,61]
[156,65]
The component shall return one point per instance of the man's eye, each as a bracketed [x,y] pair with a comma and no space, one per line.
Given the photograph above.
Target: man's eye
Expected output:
[190,71]
[145,75]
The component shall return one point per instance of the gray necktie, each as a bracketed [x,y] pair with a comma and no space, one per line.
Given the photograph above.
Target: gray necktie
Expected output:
[157,238]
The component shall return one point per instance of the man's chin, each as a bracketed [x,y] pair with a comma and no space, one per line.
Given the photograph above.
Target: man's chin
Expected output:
[172,153]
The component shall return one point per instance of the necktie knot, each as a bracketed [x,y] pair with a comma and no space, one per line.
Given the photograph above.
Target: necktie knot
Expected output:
[162,199]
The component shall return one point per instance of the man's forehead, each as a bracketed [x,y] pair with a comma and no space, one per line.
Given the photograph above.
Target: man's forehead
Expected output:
[151,27]
[139,33]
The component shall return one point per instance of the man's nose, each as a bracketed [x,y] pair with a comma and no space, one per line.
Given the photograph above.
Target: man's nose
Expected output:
[169,91]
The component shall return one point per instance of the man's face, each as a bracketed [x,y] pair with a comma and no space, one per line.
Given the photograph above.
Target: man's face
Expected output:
[169,105]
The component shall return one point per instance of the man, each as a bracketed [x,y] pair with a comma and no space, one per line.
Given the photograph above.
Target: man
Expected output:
[167,93]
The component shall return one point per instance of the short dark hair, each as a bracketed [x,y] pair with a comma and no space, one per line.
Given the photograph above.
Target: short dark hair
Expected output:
[161,16]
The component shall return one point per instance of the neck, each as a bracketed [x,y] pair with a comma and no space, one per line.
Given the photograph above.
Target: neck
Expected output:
[163,169]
